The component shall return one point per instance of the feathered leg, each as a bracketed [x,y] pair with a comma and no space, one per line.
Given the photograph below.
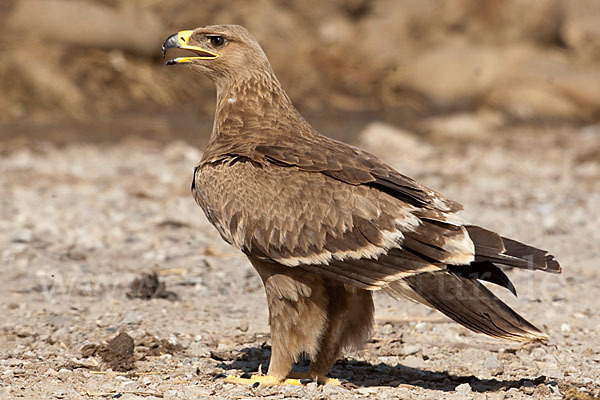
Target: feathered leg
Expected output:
[349,323]
[297,303]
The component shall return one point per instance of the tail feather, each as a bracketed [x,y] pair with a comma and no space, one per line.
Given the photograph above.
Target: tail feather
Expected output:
[485,271]
[471,304]
[489,246]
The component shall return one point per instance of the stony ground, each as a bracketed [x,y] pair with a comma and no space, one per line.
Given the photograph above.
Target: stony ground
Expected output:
[79,223]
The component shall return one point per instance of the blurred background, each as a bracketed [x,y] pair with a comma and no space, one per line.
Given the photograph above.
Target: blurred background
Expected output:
[92,69]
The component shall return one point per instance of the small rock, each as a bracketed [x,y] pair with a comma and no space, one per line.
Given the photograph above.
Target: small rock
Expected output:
[130,385]
[146,380]
[414,362]
[463,388]
[148,286]
[118,353]
[528,387]
[565,329]
[421,327]
[89,350]
[493,365]
[132,318]
[173,340]
[410,349]
[538,354]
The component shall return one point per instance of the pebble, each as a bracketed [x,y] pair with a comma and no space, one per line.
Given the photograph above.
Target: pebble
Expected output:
[493,365]
[132,318]
[410,349]
[387,328]
[554,389]
[463,388]
[528,387]
[421,327]
[565,329]
[414,362]
[173,339]
[538,354]
[130,386]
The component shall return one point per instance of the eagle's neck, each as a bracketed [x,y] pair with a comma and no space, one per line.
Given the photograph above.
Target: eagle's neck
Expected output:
[253,110]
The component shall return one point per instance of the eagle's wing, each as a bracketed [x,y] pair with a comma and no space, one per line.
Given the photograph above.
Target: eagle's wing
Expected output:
[346,212]
[342,213]
[438,228]
[356,167]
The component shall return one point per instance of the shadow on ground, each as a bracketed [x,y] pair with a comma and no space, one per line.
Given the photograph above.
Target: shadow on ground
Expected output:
[364,374]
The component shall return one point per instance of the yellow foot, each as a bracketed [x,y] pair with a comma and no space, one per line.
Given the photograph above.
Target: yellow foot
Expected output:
[300,378]
[262,380]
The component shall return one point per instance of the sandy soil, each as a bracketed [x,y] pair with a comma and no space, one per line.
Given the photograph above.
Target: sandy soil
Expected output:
[79,223]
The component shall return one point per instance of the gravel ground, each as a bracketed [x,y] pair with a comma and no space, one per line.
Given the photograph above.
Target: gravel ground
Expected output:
[79,223]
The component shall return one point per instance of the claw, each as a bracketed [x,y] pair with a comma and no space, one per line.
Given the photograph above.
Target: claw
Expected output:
[261,380]
[299,379]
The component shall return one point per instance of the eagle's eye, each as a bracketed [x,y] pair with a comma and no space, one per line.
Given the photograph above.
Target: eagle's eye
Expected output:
[217,41]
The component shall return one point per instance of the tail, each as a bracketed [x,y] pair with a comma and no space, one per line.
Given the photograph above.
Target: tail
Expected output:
[442,264]
[469,303]
[489,246]
[457,292]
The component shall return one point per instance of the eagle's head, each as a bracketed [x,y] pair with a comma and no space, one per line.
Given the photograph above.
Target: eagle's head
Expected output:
[220,51]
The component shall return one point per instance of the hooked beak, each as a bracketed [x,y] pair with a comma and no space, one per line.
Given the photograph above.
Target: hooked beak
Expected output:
[180,40]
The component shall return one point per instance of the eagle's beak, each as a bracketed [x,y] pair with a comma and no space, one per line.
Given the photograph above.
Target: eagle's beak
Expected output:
[179,40]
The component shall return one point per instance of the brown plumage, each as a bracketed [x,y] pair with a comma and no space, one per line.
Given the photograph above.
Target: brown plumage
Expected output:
[325,223]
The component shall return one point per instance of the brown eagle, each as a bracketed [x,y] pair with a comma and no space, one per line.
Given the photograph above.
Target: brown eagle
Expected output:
[325,224]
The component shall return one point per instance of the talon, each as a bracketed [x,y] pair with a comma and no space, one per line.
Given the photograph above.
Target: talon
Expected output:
[261,380]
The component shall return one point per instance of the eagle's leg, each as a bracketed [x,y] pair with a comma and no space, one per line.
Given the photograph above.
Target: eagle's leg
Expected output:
[349,323]
[297,303]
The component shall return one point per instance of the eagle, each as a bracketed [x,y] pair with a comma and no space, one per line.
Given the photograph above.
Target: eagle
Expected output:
[326,224]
